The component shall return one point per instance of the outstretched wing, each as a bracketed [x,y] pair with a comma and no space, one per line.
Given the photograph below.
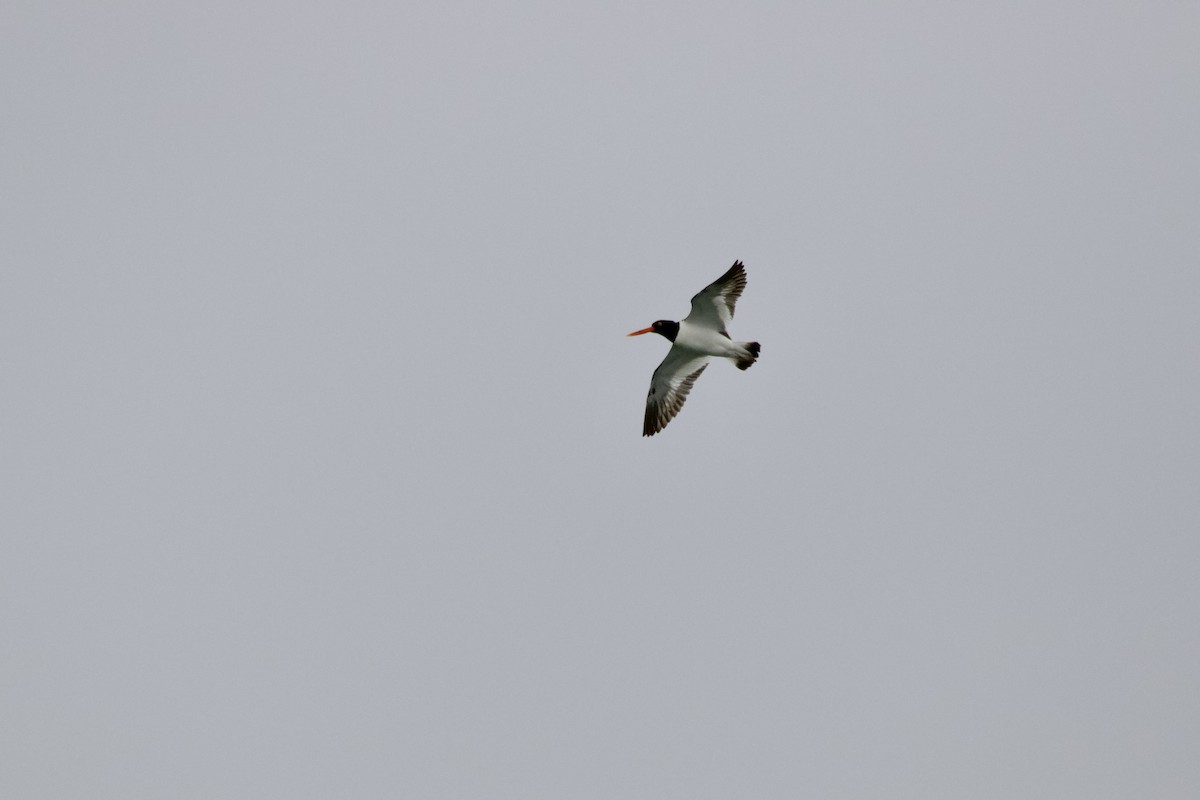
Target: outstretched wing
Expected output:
[670,386]
[713,307]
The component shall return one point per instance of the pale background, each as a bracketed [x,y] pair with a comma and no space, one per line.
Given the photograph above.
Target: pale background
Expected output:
[322,474]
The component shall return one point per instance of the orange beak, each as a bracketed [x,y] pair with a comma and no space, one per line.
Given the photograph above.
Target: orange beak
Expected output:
[643,330]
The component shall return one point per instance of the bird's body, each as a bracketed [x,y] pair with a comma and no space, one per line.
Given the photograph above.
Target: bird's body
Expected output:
[695,341]
[702,340]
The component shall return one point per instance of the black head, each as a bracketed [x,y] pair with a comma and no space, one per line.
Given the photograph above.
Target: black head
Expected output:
[663,327]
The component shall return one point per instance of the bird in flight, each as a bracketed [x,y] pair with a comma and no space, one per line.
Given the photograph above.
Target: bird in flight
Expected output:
[695,340]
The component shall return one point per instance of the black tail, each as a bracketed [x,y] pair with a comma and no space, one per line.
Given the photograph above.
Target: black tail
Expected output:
[753,348]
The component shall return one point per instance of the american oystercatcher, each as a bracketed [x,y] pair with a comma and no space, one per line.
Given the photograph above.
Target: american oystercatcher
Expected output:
[695,340]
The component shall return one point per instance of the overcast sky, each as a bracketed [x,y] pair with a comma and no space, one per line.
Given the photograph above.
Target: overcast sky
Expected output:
[322,466]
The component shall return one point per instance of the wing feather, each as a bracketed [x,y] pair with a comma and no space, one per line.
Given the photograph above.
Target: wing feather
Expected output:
[713,307]
[670,386]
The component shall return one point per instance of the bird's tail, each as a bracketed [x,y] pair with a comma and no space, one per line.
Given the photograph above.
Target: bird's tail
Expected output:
[747,360]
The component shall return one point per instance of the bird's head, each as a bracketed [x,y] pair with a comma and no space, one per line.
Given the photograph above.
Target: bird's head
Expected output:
[662,327]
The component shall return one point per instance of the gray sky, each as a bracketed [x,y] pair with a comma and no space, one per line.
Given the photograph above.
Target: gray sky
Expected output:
[322,465]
